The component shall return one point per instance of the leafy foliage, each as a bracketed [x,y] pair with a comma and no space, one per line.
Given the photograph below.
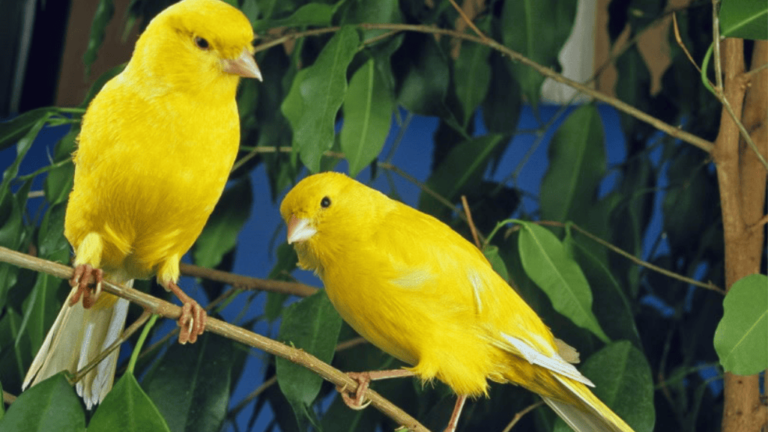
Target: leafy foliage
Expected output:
[646,340]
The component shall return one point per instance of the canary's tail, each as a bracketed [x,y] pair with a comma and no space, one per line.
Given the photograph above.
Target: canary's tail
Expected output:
[77,336]
[591,416]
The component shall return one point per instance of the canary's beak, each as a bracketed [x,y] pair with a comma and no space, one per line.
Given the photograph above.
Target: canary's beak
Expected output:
[299,230]
[245,66]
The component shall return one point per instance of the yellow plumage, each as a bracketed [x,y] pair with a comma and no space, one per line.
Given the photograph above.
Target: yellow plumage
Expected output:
[155,151]
[419,291]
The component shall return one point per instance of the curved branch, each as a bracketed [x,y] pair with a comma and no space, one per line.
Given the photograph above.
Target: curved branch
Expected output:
[247,282]
[673,131]
[229,331]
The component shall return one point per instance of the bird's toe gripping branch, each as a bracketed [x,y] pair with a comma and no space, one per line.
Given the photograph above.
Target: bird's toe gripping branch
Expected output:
[80,278]
[193,316]
[363,382]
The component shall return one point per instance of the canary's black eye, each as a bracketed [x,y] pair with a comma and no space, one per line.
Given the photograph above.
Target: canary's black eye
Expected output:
[325,202]
[201,43]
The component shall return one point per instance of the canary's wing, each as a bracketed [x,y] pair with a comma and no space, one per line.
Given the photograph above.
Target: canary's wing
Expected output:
[444,261]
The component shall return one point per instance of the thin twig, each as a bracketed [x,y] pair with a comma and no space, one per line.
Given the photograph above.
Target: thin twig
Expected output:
[168,310]
[755,71]
[716,41]
[8,398]
[680,43]
[520,415]
[763,220]
[515,56]
[350,343]
[636,260]
[468,21]
[247,282]
[470,222]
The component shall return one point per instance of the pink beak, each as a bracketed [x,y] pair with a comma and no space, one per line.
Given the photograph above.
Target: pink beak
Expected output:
[299,230]
[245,66]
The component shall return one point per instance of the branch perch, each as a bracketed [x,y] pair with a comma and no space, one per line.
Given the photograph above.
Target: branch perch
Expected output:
[229,331]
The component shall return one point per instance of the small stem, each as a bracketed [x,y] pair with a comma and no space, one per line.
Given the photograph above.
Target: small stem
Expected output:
[467,20]
[520,415]
[140,342]
[716,43]
[470,222]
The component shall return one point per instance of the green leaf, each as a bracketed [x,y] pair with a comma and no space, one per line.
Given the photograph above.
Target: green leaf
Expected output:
[51,405]
[311,14]
[13,130]
[740,337]
[523,23]
[491,253]
[99,83]
[610,304]
[12,233]
[14,359]
[503,101]
[312,325]
[101,18]
[126,409]
[460,171]
[191,385]
[367,117]
[623,381]
[744,19]
[422,75]
[547,263]
[2,405]
[633,86]
[322,92]
[472,75]
[576,166]
[293,106]
[365,11]
[286,263]
[22,147]
[220,233]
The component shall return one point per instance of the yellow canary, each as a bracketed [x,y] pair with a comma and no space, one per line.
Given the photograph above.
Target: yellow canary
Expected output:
[419,291]
[155,151]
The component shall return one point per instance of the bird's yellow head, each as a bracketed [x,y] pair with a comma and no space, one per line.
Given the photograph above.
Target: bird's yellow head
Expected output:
[328,211]
[198,46]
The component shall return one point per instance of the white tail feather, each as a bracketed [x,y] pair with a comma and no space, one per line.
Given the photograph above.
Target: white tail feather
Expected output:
[596,418]
[90,330]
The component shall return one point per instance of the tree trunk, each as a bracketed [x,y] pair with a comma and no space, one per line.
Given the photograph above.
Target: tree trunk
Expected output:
[742,181]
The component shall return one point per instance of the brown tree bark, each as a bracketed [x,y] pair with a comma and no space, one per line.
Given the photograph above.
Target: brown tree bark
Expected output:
[742,183]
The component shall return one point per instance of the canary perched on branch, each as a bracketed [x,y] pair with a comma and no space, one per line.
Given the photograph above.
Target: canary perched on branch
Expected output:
[419,291]
[155,151]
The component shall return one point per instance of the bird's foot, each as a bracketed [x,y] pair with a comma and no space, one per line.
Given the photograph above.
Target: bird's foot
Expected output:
[193,316]
[80,278]
[363,382]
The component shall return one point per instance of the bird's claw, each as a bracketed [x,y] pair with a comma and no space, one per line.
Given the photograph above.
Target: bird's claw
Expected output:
[363,382]
[191,322]
[80,278]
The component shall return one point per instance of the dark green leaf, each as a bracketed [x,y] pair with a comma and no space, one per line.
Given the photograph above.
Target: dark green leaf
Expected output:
[22,147]
[472,75]
[364,11]
[312,325]
[576,166]
[623,381]
[127,409]
[14,359]
[492,255]
[322,92]
[40,309]
[503,102]
[633,86]
[59,181]
[101,18]
[220,233]
[547,263]
[311,14]
[99,83]
[523,23]
[744,19]
[740,338]
[367,116]
[610,304]
[13,130]
[51,405]
[2,405]
[286,263]
[422,75]
[460,171]
[190,386]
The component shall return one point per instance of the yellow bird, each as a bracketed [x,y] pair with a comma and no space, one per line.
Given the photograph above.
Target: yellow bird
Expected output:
[419,291]
[155,151]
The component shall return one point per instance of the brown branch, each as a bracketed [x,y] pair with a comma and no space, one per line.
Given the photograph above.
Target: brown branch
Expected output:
[471,223]
[247,282]
[467,20]
[8,398]
[229,331]
[521,413]
[672,131]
